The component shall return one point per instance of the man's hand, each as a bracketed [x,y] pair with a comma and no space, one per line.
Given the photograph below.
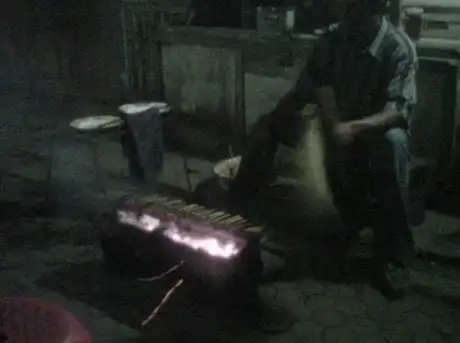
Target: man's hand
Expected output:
[345,133]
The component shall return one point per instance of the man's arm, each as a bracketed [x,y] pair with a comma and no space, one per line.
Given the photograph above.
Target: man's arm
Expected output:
[325,98]
[313,84]
[400,98]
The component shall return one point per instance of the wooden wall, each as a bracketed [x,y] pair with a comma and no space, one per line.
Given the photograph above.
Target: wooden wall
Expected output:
[142,63]
[205,88]
[63,47]
[204,85]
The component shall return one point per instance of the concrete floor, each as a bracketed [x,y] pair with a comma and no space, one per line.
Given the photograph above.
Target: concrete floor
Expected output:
[57,258]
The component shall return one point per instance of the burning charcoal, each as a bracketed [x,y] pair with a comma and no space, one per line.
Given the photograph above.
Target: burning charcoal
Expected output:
[203,212]
[150,198]
[164,202]
[222,217]
[207,216]
[233,220]
[224,221]
[155,198]
[240,226]
[241,222]
[190,208]
[254,229]
[159,201]
[176,204]
[216,215]
[197,209]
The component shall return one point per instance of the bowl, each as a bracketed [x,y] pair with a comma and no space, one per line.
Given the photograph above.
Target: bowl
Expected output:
[226,170]
[140,107]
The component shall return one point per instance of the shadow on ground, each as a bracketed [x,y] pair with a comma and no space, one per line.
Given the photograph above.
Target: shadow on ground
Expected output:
[129,301]
[33,228]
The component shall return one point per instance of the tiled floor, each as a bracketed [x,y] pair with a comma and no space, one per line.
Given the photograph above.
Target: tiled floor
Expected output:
[58,259]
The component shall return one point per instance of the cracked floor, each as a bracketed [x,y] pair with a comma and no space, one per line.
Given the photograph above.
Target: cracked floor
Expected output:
[58,259]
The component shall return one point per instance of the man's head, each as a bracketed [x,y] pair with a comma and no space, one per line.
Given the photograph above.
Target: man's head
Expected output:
[362,16]
[354,10]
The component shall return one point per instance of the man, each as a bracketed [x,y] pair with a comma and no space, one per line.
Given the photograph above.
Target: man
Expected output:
[361,74]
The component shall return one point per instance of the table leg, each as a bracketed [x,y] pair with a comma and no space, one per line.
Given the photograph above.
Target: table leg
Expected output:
[99,179]
[49,171]
[187,174]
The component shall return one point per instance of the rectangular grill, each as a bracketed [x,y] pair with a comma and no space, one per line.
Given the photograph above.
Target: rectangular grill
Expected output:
[220,248]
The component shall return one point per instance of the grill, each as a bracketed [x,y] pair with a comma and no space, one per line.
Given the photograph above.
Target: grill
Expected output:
[217,249]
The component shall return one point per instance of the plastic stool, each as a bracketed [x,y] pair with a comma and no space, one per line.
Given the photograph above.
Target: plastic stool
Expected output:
[35,321]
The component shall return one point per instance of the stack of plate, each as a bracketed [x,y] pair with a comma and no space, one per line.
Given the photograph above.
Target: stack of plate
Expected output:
[136,108]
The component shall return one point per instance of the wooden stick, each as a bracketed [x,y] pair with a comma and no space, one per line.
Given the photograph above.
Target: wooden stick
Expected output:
[230,151]
[161,276]
[162,302]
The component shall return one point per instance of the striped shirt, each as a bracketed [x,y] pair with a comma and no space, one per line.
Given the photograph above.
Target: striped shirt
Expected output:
[364,81]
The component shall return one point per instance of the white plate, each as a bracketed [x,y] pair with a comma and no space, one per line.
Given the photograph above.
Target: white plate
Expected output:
[96,123]
[131,109]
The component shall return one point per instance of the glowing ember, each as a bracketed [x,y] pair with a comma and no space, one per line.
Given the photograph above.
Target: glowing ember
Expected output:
[149,223]
[144,222]
[209,245]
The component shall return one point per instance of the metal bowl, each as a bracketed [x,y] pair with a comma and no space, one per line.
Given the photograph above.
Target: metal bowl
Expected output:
[226,170]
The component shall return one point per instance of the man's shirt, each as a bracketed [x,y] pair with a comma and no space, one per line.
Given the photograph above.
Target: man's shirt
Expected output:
[366,80]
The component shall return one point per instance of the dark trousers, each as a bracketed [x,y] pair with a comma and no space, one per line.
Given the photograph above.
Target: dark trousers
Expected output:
[370,180]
